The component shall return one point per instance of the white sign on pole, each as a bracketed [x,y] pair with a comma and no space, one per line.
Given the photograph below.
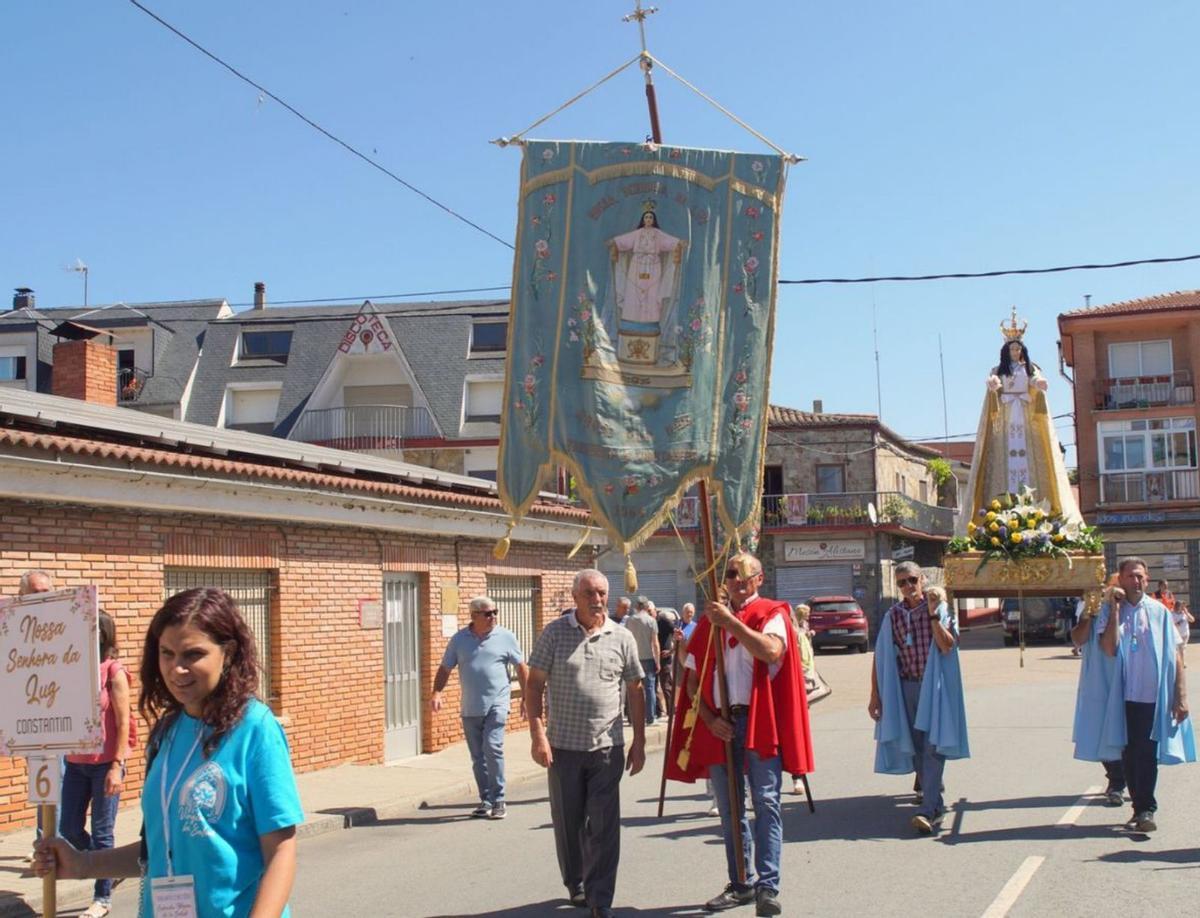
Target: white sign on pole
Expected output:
[45,780]
[50,674]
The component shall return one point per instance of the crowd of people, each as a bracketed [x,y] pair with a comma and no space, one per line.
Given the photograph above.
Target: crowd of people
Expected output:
[221,808]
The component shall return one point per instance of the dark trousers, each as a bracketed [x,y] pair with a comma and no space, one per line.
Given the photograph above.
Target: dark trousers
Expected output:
[666,684]
[1141,756]
[1115,772]
[585,807]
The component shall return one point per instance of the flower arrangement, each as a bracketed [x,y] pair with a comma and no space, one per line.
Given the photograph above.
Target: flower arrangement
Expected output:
[1017,526]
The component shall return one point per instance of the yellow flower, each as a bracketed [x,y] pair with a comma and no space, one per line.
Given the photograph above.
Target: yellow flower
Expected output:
[971,528]
[1016,537]
[991,515]
[994,527]
[1030,523]
[995,505]
[1059,537]
[995,541]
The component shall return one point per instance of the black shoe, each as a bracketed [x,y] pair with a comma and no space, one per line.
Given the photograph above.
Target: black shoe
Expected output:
[499,811]
[766,902]
[483,811]
[600,911]
[579,898]
[1145,823]
[1113,797]
[730,897]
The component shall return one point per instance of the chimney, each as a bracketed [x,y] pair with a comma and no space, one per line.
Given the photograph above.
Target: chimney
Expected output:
[85,370]
[260,295]
[23,298]
[818,406]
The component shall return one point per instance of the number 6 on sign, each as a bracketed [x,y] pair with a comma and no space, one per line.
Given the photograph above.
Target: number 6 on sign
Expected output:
[45,780]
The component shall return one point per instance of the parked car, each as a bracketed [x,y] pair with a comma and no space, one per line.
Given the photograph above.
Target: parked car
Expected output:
[838,621]
[1044,618]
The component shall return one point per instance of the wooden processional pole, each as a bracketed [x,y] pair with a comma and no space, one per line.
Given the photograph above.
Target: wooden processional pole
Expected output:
[735,802]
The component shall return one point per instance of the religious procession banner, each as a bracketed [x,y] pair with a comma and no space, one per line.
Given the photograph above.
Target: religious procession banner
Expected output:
[640,337]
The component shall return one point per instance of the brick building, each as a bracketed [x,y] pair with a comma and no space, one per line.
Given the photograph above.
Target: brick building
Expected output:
[352,570]
[1134,368]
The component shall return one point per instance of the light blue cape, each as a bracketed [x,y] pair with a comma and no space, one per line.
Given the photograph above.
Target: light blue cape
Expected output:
[941,712]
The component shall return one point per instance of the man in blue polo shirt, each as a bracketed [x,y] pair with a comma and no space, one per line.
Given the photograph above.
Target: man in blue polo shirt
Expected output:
[483,653]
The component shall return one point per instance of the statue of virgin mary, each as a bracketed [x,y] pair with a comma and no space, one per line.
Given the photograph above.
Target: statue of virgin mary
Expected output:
[1015,445]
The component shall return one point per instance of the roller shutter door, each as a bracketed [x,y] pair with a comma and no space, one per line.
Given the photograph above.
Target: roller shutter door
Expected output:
[802,582]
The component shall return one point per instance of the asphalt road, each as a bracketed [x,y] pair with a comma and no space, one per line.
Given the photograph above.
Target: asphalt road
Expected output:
[1019,839]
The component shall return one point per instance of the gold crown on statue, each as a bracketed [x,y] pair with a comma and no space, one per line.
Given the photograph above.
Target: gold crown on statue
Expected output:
[649,206]
[1011,332]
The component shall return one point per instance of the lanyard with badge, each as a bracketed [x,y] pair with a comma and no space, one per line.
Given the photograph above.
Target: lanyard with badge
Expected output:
[174,896]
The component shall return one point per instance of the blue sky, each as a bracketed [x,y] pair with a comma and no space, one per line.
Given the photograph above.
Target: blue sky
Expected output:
[941,136]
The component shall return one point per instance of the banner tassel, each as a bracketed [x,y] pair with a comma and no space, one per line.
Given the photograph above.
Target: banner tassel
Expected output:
[630,576]
[500,551]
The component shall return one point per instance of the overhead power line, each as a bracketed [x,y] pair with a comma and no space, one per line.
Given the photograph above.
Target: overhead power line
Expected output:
[354,150]
[379,296]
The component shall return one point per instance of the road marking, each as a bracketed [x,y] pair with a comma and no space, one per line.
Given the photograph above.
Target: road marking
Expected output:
[1069,817]
[1014,887]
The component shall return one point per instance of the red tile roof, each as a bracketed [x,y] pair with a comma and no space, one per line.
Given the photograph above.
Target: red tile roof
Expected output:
[1162,302]
[251,470]
[778,416]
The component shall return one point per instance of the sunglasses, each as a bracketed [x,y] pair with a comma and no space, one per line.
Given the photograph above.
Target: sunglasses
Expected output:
[490,613]
[909,581]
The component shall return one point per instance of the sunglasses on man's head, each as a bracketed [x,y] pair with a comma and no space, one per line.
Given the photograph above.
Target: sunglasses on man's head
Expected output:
[908,581]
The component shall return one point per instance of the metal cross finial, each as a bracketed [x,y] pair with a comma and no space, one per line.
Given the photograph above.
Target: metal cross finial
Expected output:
[639,15]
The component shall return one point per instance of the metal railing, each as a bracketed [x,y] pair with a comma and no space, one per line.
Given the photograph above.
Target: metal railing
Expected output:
[364,427]
[1145,391]
[130,383]
[850,509]
[1149,487]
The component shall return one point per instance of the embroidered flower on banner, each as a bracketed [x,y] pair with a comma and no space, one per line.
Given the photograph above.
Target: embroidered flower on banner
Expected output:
[581,325]
[527,404]
[740,420]
[540,275]
[694,335]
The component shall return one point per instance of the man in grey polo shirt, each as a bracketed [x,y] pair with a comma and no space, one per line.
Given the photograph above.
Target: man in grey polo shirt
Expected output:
[644,628]
[578,665]
[483,653]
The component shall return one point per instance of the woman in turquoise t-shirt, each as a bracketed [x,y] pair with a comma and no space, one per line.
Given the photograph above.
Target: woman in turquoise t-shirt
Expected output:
[220,806]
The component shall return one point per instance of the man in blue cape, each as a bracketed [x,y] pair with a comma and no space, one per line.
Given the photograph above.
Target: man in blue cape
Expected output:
[1132,698]
[917,694]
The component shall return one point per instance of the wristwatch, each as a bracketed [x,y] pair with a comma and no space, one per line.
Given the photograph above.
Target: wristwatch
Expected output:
[933,616]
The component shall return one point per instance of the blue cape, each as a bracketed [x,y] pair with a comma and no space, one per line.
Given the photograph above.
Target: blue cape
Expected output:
[1100,702]
[941,713]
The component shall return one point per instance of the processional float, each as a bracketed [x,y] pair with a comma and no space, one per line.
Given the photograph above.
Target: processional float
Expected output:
[639,341]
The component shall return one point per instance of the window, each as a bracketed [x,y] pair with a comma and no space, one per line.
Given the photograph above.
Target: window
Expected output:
[489,337]
[252,592]
[12,369]
[1139,358]
[831,479]
[923,487]
[1154,443]
[252,409]
[484,398]
[480,462]
[266,345]
[514,598]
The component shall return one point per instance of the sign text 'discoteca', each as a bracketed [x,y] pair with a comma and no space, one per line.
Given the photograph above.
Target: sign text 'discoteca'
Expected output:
[50,673]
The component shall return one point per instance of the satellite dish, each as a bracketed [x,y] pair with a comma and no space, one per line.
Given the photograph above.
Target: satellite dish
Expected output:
[872,514]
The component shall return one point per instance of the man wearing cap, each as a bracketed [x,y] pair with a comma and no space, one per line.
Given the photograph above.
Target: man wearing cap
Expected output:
[483,652]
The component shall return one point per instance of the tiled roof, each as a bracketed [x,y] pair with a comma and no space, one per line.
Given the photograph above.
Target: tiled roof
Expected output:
[251,470]
[1163,302]
[957,450]
[779,416]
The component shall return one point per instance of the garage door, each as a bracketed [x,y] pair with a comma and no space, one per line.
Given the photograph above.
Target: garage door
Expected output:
[660,587]
[803,581]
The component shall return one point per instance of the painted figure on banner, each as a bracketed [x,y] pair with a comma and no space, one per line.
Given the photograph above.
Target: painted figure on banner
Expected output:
[1016,446]
[646,272]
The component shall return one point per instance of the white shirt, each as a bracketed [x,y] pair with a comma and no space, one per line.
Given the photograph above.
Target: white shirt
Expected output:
[739,662]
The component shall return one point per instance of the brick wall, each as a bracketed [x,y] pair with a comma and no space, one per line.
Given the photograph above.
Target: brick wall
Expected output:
[328,670]
[85,370]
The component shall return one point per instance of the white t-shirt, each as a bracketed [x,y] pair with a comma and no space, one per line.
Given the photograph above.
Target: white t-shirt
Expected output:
[739,662]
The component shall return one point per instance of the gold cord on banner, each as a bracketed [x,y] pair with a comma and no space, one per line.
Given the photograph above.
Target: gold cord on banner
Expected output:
[500,552]
[630,576]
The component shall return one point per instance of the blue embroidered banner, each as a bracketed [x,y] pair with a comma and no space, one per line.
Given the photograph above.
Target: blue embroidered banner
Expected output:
[640,336]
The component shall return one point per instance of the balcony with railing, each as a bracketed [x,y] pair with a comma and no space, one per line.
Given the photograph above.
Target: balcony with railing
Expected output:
[130,383]
[851,509]
[1149,487]
[1145,391]
[364,427]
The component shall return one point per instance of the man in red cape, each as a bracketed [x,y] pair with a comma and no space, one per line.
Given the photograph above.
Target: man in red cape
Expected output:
[768,726]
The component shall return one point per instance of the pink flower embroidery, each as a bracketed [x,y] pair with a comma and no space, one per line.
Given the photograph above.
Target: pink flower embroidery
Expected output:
[697,325]
[530,383]
[541,248]
[741,401]
[738,288]
[537,360]
[584,315]
[549,198]
[739,377]
[752,264]
[608,489]
[757,235]
[752,212]
[537,221]
[551,276]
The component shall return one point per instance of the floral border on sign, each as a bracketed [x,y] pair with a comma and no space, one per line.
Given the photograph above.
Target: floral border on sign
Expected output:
[747,257]
[527,404]
[741,422]
[695,335]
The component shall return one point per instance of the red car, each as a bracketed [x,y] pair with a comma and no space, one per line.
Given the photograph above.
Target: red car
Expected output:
[838,621]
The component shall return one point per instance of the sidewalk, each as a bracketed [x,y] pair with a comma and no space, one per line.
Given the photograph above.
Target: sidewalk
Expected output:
[334,799]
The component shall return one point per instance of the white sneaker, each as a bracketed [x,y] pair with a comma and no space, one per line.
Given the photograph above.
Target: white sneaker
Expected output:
[713,811]
[797,786]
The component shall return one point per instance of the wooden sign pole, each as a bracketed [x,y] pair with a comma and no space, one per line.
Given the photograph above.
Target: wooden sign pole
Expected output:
[49,814]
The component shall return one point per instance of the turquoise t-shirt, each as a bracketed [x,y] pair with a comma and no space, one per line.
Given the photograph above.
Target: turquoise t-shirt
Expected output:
[219,807]
[483,668]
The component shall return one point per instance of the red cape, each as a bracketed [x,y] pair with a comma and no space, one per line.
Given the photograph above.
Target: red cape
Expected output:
[778,722]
